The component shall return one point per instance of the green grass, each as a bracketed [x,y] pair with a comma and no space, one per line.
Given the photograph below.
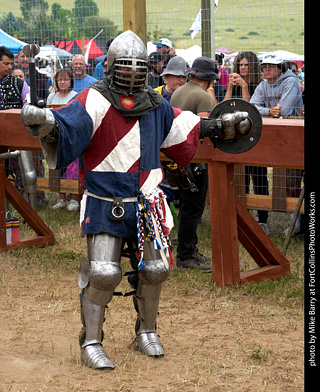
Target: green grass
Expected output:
[65,254]
[244,25]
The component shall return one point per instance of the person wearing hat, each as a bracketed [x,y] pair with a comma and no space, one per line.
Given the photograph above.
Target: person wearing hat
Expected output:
[279,94]
[173,77]
[193,96]
[164,46]
[156,62]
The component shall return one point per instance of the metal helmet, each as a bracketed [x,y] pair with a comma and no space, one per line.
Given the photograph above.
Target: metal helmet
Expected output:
[128,61]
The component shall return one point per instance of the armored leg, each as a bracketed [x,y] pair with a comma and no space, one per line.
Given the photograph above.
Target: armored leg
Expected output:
[99,277]
[146,302]
[29,177]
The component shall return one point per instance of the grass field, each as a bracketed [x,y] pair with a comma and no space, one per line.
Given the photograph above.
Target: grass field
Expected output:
[248,338]
[242,25]
[69,247]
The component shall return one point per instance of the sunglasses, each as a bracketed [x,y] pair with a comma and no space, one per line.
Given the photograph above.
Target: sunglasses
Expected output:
[160,46]
[263,66]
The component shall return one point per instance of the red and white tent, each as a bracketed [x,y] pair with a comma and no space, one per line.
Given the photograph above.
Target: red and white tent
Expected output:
[75,47]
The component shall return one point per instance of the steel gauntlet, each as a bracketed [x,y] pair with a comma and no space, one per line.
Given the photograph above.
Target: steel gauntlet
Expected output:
[32,116]
[225,127]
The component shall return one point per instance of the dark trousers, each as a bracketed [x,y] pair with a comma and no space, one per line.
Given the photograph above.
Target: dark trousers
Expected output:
[191,209]
[260,186]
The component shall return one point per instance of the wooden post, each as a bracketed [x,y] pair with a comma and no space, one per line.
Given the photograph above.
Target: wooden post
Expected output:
[223,215]
[3,241]
[134,18]
[14,136]
[240,183]
[206,28]
[54,180]
[83,45]
[279,190]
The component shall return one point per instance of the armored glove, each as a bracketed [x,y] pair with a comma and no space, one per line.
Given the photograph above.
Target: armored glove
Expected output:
[226,127]
[32,115]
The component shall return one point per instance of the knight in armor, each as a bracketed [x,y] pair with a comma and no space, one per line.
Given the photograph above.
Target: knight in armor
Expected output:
[117,129]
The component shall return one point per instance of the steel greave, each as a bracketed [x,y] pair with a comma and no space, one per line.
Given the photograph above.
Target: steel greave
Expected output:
[147,304]
[92,352]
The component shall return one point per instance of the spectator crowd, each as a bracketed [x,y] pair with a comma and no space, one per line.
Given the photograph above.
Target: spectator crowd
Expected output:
[274,86]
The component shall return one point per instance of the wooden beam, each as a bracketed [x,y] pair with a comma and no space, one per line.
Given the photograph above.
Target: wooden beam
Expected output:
[279,189]
[14,134]
[206,28]
[134,18]
[66,186]
[3,234]
[224,237]
[261,202]
[263,273]
[44,234]
[281,145]
[257,242]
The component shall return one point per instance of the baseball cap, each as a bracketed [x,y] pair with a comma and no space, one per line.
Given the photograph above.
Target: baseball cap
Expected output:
[163,41]
[155,57]
[204,68]
[176,66]
[271,59]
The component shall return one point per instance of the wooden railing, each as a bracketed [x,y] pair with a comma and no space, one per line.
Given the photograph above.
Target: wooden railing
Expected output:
[14,136]
[276,201]
[281,146]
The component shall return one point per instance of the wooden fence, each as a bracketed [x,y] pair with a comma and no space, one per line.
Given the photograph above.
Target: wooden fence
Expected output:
[281,146]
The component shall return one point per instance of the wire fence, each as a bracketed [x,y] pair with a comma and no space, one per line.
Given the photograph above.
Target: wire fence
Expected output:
[229,29]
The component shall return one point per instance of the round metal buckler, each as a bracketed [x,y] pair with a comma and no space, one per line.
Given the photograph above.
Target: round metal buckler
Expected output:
[242,143]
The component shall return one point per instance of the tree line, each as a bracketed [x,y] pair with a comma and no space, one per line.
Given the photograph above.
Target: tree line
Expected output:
[40,21]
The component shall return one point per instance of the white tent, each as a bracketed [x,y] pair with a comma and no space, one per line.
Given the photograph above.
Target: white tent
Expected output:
[50,52]
[151,47]
[283,54]
[189,54]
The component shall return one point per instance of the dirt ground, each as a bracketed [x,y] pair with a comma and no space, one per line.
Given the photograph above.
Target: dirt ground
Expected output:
[215,340]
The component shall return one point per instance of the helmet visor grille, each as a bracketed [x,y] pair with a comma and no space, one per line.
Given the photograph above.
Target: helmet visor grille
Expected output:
[130,75]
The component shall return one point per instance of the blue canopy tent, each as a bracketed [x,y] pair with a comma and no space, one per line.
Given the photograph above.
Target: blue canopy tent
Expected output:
[10,42]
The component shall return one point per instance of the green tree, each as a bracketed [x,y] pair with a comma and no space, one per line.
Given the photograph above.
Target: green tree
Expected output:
[37,22]
[60,19]
[10,24]
[82,9]
[33,9]
[156,33]
[92,25]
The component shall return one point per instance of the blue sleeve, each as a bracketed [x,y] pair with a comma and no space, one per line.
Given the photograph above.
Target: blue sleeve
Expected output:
[98,72]
[75,131]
